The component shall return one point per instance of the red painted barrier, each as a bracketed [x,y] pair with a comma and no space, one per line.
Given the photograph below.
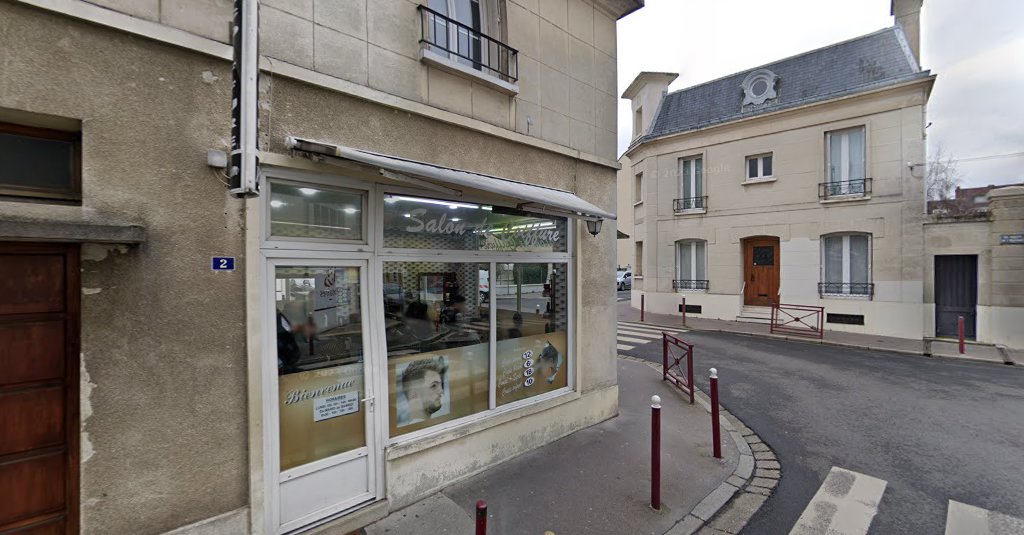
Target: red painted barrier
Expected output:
[481,517]
[656,452]
[716,433]
[674,372]
[801,320]
[960,332]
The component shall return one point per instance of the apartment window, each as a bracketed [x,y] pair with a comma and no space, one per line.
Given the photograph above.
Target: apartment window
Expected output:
[846,265]
[846,163]
[467,32]
[759,167]
[638,122]
[40,163]
[691,185]
[638,189]
[639,271]
[691,268]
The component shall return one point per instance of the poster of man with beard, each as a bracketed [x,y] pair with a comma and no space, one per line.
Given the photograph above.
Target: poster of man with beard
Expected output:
[423,391]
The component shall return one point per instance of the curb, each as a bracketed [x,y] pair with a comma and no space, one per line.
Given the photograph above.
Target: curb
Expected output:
[1007,360]
[729,507]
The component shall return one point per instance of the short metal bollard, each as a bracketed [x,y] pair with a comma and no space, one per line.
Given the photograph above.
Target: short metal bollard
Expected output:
[656,453]
[641,307]
[682,307]
[481,517]
[960,332]
[716,433]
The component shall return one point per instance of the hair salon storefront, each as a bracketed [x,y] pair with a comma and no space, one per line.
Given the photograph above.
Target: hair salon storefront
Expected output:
[408,324]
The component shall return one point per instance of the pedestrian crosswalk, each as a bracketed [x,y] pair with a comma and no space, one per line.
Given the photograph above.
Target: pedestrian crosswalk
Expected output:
[847,502]
[633,334]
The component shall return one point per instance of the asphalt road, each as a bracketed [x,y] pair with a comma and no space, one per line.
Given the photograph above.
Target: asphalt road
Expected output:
[934,429]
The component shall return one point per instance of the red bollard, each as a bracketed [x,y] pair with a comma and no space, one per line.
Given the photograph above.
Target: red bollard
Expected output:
[716,433]
[684,311]
[656,453]
[960,330]
[641,307]
[481,517]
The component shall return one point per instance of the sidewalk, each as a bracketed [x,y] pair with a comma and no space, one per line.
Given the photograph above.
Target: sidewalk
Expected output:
[939,348]
[594,481]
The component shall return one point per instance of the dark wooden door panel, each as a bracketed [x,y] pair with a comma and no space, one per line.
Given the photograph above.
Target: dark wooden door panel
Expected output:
[31,419]
[33,351]
[39,427]
[40,484]
[31,283]
[761,271]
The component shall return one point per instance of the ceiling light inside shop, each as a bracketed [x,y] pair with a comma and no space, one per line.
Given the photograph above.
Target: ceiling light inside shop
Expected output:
[349,210]
[308,191]
[277,204]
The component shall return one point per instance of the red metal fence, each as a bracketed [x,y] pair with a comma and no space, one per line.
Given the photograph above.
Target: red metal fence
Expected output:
[679,351]
[801,320]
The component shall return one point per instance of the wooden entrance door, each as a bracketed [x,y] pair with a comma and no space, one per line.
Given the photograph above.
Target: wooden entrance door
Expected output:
[956,294]
[761,271]
[39,296]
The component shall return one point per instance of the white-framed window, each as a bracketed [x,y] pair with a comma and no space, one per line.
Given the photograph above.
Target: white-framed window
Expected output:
[639,270]
[846,162]
[638,188]
[846,265]
[638,122]
[691,185]
[759,167]
[691,265]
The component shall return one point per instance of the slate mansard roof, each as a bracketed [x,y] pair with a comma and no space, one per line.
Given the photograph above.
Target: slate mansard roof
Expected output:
[861,64]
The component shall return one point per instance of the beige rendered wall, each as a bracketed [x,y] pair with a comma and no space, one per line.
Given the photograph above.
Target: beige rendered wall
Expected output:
[790,209]
[566,49]
[163,407]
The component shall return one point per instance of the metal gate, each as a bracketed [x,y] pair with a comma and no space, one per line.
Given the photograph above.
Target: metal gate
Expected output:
[956,294]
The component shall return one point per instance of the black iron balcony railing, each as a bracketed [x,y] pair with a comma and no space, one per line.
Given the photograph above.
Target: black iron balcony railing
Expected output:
[466,45]
[848,188]
[689,284]
[846,288]
[690,203]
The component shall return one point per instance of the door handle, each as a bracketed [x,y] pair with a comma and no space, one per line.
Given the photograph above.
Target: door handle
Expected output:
[370,400]
[751,277]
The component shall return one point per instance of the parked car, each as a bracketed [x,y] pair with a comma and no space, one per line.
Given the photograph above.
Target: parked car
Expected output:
[485,287]
[624,279]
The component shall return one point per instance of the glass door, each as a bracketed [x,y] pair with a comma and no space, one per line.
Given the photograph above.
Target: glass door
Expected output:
[324,394]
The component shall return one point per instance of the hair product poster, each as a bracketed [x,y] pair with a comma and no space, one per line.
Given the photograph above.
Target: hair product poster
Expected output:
[531,365]
[429,388]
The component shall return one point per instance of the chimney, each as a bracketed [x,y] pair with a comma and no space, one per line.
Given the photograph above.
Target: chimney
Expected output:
[908,17]
[645,94]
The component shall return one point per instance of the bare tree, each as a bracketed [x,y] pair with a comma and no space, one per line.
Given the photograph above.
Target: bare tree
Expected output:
[942,177]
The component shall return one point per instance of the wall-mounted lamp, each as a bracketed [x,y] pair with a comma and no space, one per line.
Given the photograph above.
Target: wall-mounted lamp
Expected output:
[594,226]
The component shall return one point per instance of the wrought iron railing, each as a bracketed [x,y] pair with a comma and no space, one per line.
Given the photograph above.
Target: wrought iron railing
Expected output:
[690,203]
[689,284]
[846,188]
[470,46]
[846,288]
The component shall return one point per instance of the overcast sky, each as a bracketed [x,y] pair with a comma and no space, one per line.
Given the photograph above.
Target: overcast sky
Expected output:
[976,47]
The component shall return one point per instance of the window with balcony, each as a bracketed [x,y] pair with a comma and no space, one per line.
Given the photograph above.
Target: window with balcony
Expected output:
[463,37]
[846,164]
[691,187]
[846,265]
[759,167]
[691,269]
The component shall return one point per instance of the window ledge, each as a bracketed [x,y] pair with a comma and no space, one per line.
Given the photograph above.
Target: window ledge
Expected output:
[763,180]
[855,297]
[689,291]
[71,231]
[692,211]
[446,64]
[854,197]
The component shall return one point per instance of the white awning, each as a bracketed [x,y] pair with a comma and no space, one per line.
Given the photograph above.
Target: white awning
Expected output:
[526,196]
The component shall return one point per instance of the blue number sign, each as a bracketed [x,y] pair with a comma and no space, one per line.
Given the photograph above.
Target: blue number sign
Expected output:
[223,263]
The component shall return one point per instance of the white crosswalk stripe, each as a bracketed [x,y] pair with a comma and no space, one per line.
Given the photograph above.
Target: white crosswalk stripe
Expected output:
[963,519]
[845,504]
[633,334]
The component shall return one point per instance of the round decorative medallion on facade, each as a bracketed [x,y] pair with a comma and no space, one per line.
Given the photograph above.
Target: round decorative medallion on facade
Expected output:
[759,87]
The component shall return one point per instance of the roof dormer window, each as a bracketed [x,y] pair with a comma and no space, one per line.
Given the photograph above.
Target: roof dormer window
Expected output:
[759,87]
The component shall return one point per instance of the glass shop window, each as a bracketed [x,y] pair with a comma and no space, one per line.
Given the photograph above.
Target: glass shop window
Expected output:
[422,223]
[532,326]
[437,325]
[317,212]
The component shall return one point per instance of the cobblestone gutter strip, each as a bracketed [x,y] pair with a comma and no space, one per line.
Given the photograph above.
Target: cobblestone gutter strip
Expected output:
[728,508]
